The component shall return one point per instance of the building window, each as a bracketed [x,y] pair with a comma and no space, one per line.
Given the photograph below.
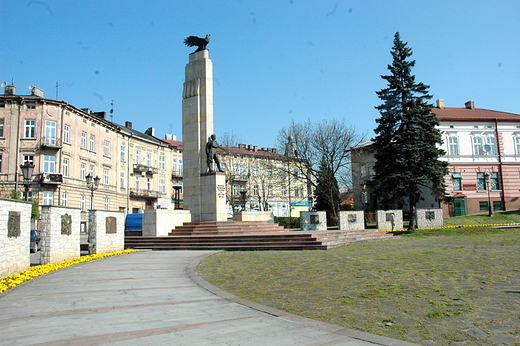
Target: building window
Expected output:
[2,127]
[483,205]
[122,181]
[82,203]
[235,189]
[83,140]
[517,144]
[137,157]
[270,190]
[456,179]
[91,170]
[453,145]
[50,132]
[65,167]
[106,203]
[1,162]
[162,186]
[106,176]
[148,183]
[48,197]
[92,143]
[162,162]
[49,163]
[137,182]
[495,181]
[255,190]
[255,171]
[64,199]
[497,205]
[236,169]
[106,148]
[82,171]
[122,154]
[30,126]
[66,134]
[284,191]
[149,159]
[481,181]
[491,145]
[28,158]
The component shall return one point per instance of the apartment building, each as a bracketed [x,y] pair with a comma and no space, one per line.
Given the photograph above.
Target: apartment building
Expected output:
[133,170]
[483,151]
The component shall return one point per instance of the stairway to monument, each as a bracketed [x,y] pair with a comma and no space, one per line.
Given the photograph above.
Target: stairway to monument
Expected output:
[293,240]
[226,227]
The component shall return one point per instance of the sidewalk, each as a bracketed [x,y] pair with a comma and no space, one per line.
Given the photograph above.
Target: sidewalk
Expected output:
[152,298]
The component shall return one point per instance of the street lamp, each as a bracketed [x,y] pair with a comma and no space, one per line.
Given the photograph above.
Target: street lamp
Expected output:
[27,171]
[92,184]
[488,186]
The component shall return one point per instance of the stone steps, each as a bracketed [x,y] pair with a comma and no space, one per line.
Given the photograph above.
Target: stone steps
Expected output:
[296,240]
[226,227]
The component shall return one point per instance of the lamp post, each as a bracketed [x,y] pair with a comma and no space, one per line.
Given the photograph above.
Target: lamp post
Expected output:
[27,171]
[488,186]
[92,184]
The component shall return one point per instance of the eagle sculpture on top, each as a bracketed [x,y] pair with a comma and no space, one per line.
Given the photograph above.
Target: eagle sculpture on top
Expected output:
[192,41]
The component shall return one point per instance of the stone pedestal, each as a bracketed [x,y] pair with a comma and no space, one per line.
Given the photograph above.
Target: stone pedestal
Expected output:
[263,216]
[313,221]
[160,222]
[352,220]
[389,220]
[429,218]
[213,196]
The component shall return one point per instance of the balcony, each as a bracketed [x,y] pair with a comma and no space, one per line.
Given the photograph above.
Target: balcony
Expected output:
[51,178]
[176,174]
[51,143]
[144,193]
[147,169]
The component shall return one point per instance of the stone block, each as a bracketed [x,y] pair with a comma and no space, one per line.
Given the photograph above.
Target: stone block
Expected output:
[352,220]
[160,222]
[429,218]
[389,220]
[313,221]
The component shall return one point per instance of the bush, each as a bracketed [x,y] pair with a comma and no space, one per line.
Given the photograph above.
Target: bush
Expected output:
[287,222]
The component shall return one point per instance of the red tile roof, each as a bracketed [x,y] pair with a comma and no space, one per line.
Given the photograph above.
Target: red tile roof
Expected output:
[473,114]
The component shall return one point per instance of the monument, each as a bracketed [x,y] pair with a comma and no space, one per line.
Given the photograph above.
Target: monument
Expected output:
[204,188]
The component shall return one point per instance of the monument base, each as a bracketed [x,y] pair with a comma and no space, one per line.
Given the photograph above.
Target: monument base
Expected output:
[213,196]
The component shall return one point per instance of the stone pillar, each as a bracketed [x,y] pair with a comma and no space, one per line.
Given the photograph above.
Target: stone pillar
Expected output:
[106,231]
[15,218]
[313,221]
[60,234]
[352,220]
[389,220]
[203,195]
[429,218]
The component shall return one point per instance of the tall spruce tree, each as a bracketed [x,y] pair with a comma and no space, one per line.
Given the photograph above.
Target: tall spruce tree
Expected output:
[407,156]
[327,191]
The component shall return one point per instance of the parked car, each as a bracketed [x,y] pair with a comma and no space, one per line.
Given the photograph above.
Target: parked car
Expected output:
[36,240]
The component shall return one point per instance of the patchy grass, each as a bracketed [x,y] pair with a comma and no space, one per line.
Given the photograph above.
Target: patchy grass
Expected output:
[417,288]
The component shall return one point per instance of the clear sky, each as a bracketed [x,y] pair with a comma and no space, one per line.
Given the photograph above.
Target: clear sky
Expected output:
[273,60]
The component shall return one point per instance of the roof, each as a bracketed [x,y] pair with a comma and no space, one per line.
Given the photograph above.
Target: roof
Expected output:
[473,114]
[177,144]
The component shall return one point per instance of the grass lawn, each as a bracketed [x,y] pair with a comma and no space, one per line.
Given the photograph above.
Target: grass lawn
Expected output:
[447,286]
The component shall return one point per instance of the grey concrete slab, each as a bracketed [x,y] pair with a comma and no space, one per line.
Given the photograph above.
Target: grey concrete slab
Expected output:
[152,298]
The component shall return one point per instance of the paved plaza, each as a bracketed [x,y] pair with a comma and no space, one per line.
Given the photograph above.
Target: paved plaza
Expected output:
[152,298]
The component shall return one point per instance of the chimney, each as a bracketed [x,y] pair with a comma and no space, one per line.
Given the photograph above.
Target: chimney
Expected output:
[128,124]
[35,91]
[241,146]
[170,137]
[440,103]
[150,131]
[255,148]
[9,90]
[470,104]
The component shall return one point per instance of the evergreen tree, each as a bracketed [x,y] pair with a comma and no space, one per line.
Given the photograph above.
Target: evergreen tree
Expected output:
[407,156]
[327,191]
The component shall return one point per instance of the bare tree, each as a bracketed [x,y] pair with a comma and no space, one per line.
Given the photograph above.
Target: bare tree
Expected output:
[329,140]
[229,139]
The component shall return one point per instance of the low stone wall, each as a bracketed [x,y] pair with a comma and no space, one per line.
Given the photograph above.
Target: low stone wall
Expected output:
[313,221]
[389,220]
[429,218]
[15,229]
[160,222]
[106,231]
[352,220]
[265,216]
[60,234]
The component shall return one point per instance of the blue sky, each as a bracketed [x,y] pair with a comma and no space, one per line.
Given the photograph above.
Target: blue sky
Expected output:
[273,60]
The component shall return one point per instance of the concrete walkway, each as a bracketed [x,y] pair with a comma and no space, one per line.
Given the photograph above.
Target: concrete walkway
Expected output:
[152,298]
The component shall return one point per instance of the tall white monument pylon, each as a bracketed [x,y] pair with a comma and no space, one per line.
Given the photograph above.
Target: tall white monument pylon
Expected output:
[204,193]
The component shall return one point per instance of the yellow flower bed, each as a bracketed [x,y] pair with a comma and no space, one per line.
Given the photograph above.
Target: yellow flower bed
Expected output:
[26,275]
[458,226]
